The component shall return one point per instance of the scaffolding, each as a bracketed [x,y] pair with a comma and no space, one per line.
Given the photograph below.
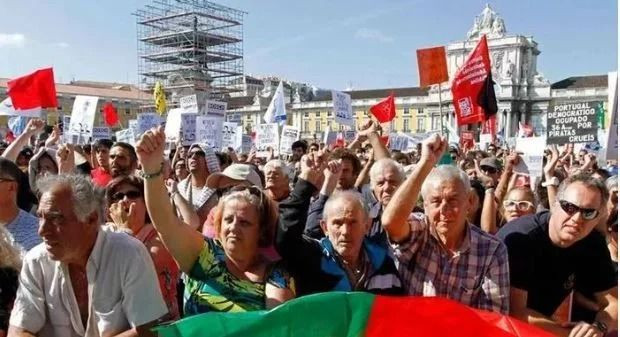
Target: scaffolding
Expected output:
[191,46]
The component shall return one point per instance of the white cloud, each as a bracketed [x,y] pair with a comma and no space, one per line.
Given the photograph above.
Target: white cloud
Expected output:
[373,34]
[12,40]
[61,45]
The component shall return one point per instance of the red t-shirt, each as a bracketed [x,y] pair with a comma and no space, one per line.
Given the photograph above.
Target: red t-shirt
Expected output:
[100,177]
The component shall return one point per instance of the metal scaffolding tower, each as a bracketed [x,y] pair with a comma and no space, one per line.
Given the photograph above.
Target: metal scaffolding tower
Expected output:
[191,46]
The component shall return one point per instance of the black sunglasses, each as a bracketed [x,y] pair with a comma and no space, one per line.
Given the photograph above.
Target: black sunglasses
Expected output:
[571,209]
[118,196]
[197,153]
[488,169]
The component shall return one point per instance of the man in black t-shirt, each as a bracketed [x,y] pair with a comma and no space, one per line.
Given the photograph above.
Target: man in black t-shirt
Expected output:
[551,252]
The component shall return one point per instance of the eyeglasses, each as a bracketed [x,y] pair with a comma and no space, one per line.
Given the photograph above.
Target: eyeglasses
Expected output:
[571,209]
[118,196]
[488,169]
[196,153]
[523,205]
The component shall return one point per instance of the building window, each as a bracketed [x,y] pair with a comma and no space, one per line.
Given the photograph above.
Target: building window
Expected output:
[127,111]
[317,126]
[329,113]
[420,111]
[306,126]
[406,111]
[60,108]
[317,114]
[406,124]
[306,114]
[435,122]
[420,124]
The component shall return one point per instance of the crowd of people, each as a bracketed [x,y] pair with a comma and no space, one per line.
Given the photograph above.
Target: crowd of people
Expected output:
[110,239]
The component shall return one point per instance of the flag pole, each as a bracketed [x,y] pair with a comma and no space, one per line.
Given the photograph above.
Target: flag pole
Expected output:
[443,132]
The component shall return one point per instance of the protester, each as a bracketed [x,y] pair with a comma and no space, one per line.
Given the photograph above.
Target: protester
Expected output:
[101,175]
[223,274]
[202,162]
[98,283]
[22,226]
[276,180]
[10,266]
[345,260]
[519,201]
[123,160]
[552,253]
[180,169]
[474,264]
[127,211]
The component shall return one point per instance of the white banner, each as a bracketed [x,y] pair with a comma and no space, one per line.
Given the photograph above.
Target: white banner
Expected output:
[146,121]
[189,103]
[209,130]
[239,138]
[173,125]
[126,136]
[83,115]
[485,140]
[276,111]
[246,143]
[101,132]
[229,135]
[188,128]
[267,136]
[330,137]
[398,142]
[7,109]
[532,149]
[233,117]
[216,108]
[290,134]
[343,111]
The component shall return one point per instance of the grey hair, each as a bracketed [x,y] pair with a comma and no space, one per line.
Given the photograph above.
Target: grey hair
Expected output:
[338,196]
[444,173]
[84,196]
[588,181]
[279,164]
[380,165]
[611,183]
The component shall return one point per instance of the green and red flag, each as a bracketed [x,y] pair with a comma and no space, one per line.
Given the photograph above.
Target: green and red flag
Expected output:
[355,315]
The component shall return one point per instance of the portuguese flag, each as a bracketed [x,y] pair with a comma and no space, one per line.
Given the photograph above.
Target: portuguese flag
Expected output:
[355,315]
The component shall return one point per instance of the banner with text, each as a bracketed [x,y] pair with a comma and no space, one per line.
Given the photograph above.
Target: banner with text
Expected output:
[83,116]
[343,111]
[209,130]
[188,128]
[532,153]
[229,135]
[290,134]
[216,108]
[572,122]
[267,136]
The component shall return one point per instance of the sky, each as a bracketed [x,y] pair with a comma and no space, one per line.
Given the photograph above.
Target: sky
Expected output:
[362,44]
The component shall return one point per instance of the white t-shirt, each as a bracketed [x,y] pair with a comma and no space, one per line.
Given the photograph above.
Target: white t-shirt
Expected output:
[123,291]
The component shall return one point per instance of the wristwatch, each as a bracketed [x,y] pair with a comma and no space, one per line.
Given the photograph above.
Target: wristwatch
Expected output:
[554,181]
[601,326]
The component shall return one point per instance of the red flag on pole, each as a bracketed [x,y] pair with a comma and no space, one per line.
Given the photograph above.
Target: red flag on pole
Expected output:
[432,66]
[472,87]
[36,90]
[385,110]
[110,116]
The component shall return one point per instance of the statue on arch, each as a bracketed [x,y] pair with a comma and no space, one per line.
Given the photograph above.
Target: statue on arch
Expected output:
[499,29]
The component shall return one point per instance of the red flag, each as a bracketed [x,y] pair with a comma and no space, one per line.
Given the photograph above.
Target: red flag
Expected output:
[36,90]
[472,87]
[385,110]
[490,126]
[110,116]
[467,140]
[432,66]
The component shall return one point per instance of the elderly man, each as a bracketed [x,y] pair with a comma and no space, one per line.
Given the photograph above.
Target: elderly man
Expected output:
[83,281]
[123,160]
[557,251]
[21,225]
[439,253]
[202,162]
[345,260]
[277,180]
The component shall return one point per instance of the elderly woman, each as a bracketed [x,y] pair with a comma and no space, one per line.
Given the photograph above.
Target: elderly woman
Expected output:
[127,211]
[276,180]
[226,273]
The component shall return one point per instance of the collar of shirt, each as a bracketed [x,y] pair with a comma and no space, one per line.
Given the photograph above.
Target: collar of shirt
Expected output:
[463,248]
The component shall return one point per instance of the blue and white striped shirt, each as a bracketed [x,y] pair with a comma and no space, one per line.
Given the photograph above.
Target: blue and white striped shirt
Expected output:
[24,230]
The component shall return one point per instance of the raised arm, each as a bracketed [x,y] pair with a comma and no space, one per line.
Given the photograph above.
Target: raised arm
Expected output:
[552,160]
[370,131]
[33,128]
[502,186]
[396,213]
[183,242]
[315,213]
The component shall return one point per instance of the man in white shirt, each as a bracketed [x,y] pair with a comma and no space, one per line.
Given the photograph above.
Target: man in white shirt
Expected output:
[82,281]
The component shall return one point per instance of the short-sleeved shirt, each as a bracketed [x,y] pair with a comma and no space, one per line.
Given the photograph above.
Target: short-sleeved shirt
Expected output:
[24,230]
[477,275]
[547,272]
[211,287]
[123,291]
[100,177]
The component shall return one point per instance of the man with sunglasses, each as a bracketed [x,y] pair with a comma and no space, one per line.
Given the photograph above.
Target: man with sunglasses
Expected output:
[554,252]
[22,226]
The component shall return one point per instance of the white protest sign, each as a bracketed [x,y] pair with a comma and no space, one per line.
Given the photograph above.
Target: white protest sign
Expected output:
[532,149]
[246,143]
[343,111]
[234,117]
[7,109]
[330,137]
[83,116]
[126,136]
[239,139]
[485,140]
[146,121]
[133,124]
[290,134]
[101,132]
[173,125]
[398,142]
[229,133]
[188,128]
[216,108]
[267,135]
[189,103]
[209,130]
